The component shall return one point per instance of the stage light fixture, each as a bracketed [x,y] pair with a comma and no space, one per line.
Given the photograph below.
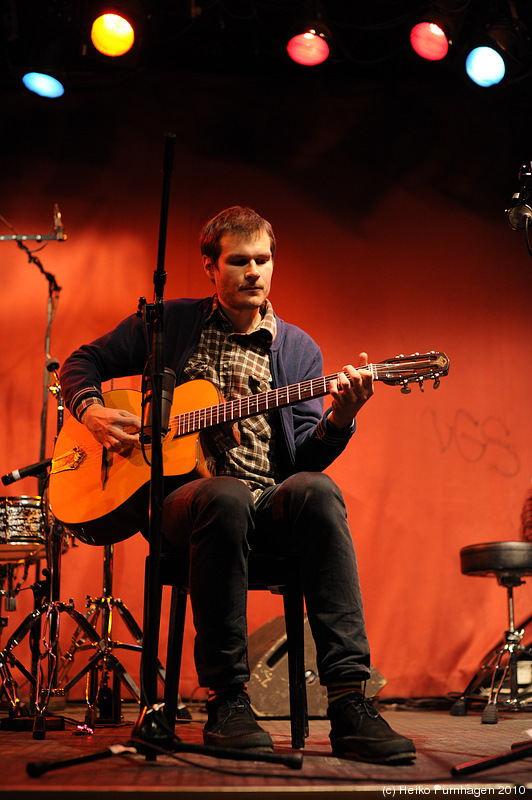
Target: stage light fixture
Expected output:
[499,55]
[430,40]
[43,84]
[41,51]
[113,30]
[485,66]
[309,43]
[112,35]
[310,47]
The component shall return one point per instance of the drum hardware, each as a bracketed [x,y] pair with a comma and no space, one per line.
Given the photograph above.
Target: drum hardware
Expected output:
[7,575]
[9,595]
[22,534]
[104,702]
[43,679]
[22,543]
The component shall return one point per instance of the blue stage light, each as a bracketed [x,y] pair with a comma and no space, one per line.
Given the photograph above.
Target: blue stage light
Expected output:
[485,66]
[42,84]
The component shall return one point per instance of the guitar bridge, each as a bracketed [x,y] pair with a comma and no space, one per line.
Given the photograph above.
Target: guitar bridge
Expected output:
[69,461]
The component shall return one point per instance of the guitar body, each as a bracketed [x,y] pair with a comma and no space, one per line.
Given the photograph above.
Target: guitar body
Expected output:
[97,494]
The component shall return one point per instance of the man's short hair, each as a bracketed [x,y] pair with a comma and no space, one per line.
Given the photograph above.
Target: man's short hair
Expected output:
[236,219]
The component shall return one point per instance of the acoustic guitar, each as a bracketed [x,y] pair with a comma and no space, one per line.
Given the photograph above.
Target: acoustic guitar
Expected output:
[92,489]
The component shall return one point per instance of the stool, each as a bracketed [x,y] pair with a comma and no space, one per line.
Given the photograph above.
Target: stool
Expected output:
[508,562]
[277,575]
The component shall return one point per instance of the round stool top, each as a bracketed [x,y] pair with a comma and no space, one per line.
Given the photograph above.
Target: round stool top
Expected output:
[494,558]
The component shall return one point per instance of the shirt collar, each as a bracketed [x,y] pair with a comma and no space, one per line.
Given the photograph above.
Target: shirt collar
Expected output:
[267,327]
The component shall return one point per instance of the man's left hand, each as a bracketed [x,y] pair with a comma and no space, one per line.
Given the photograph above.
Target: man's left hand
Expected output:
[350,391]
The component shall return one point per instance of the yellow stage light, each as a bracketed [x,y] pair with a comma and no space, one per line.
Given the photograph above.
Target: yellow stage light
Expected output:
[112,35]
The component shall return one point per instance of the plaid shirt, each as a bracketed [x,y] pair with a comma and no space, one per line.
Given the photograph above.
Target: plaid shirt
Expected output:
[239,365]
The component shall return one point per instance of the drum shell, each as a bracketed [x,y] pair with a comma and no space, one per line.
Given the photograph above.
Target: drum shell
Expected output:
[22,529]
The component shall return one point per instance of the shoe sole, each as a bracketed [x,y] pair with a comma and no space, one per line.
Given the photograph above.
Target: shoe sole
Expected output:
[393,758]
[257,743]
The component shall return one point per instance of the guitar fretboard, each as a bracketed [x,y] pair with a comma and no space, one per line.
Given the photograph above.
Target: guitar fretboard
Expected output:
[401,370]
[233,410]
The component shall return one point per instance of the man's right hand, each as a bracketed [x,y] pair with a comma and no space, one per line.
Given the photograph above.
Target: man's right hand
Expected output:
[113,428]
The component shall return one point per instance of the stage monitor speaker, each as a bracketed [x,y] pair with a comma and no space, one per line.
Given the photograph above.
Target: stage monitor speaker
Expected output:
[268,662]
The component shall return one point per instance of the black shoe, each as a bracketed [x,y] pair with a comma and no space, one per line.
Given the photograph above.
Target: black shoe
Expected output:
[231,723]
[358,731]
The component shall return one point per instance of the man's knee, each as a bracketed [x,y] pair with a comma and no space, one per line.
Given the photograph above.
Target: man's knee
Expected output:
[220,507]
[224,495]
[316,488]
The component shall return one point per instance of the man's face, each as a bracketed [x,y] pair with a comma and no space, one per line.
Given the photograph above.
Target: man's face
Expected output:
[244,270]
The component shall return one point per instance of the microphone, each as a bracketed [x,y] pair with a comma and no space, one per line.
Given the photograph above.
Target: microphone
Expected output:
[52,364]
[59,229]
[26,472]
[520,210]
[167,394]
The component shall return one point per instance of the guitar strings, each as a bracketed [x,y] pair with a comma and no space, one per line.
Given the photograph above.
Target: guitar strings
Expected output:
[191,421]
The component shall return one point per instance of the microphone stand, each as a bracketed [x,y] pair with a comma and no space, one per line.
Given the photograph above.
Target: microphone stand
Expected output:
[57,234]
[154,314]
[151,735]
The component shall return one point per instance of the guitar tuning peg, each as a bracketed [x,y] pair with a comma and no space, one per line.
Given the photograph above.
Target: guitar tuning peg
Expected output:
[436,383]
[421,385]
[406,388]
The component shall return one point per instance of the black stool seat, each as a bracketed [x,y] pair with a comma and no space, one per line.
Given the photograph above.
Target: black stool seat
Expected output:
[496,558]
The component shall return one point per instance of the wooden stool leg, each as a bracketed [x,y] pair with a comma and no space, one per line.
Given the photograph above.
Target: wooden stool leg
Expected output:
[176,631]
[294,611]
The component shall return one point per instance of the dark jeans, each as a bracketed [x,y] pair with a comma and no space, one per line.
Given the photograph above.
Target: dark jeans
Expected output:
[215,523]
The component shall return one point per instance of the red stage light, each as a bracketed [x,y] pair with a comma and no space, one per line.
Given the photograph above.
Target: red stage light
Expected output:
[429,41]
[308,49]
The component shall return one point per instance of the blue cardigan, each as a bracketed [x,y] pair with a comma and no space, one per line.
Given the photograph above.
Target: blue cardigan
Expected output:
[311,444]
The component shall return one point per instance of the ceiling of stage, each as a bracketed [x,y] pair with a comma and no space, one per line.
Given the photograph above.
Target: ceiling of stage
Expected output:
[373,101]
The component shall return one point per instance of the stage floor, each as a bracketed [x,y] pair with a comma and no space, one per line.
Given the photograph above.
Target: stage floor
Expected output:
[442,742]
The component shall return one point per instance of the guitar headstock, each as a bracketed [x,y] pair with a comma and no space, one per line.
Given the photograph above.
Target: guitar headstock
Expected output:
[416,368]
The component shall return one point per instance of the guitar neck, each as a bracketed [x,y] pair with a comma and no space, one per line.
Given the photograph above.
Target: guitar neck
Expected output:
[242,407]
